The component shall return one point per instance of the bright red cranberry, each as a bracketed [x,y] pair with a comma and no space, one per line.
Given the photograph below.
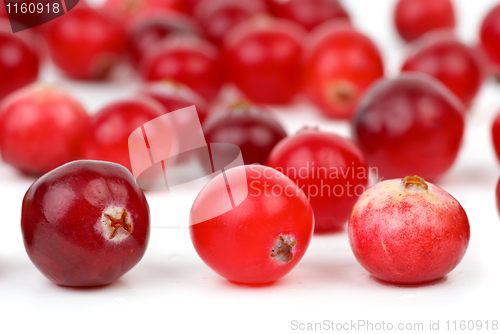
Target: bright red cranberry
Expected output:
[496,135]
[41,128]
[498,196]
[330,169]
[263,59]
[85,223]
[414,18]
[453,63]
[309,13]
[262,238]
[85,44]
[490,37]
[3,12]
[340,63]
[19,62]
[188,60]
[153,28]
[218,16]
[408,231]
[109,130]
[175,96]
[127,10]
[247,126]
[410,125]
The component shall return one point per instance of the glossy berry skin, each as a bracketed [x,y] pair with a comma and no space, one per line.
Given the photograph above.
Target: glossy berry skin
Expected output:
[309,13]
[260,240]
[19,62]
[110,128]
[495,135]
[187,60]
[249,127]
[490,38]
[41,128]
[219,16]
[414,18]
[85,223]
[85,44]
[128,10]
[408,231]
[335,80]
[453,63]
[173,96]
[151,29]
[331,170]
[262,59]
[410,125]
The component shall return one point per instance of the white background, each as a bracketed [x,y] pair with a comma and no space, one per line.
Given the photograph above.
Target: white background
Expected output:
[172,291]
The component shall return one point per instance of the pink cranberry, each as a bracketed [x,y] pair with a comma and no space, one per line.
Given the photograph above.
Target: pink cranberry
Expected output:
[414,18]
[453,63]
[85,44]
[19,62]
[309,13]
[247,126]
[408,231]
[41,128]
[218,16]
[330,169]
[263,59]
[410,125]
[150,29]
[188,60]
[85,223]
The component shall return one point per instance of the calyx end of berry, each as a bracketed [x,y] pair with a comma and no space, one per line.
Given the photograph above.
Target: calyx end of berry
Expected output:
[414,184]
[283,248]
[116,224]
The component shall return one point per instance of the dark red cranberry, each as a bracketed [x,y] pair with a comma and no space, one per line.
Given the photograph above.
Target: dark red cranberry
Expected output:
[41,128]
[490,39]
[85,223]
[153,28]
[109,130]
[330,169]
[19,62]
[218,16]
[309,13]
[411,125]
[262,58]
[175,96]
[340,63]
[413,18]
[188,60]
[85,44]
[442,56]
[247,126]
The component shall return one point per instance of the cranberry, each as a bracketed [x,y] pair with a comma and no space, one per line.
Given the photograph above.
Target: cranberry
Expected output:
[263,237]
[408,231]
[188,60]
[453,63]
[414,18]
[175,96]
[247,126]
[19,63]
[309,13]
[109,130]
[218,16]
[340,63]
[410,125]
[496,135]
[498,196]
[85,223]
[263,59]
[330,169]
[85,44]
[151,29]
[128,10]
[41,128]
[490,37]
